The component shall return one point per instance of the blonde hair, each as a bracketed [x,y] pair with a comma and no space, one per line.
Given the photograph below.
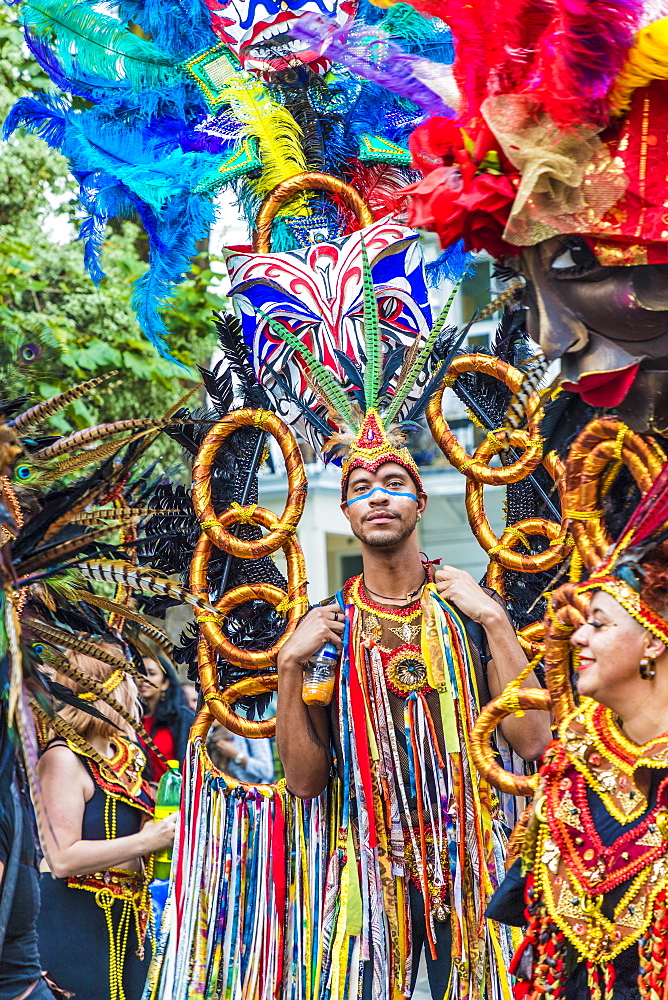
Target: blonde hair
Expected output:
[124,693]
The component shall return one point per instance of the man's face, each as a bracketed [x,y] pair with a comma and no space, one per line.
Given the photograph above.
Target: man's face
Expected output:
[609,326]
[378,513]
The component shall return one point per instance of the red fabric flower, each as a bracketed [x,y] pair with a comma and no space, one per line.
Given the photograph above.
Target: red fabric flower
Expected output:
[477,211]
[454,199]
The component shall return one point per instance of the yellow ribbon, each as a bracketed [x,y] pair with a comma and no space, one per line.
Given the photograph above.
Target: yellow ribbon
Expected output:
[245,515]
[286,605]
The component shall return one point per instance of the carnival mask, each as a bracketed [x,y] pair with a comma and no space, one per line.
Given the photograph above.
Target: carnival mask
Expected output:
[317,293]
[608,324]
[257,31]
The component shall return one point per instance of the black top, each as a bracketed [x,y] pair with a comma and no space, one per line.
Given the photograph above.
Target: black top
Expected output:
[19,963]
[128,817]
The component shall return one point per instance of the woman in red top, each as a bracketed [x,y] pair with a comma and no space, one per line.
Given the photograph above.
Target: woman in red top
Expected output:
[167,717]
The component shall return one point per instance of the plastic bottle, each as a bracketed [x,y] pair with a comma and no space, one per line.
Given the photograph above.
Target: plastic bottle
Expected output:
[319,676]
[167,801]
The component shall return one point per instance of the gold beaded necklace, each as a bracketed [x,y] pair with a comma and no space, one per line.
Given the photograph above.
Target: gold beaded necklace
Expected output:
[408,614]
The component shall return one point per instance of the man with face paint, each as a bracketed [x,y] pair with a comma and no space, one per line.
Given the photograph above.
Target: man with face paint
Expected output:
[420,652]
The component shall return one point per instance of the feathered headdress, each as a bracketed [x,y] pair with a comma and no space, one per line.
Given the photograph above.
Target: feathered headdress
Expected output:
[368,403]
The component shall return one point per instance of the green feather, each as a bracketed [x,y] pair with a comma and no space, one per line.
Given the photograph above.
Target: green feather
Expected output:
[317,371]
[102,45]
[371,333]
[407,383]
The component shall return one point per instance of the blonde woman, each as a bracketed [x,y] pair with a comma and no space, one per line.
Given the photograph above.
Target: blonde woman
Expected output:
[98,835]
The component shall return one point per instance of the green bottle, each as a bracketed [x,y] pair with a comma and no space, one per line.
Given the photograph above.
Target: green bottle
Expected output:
[167,801]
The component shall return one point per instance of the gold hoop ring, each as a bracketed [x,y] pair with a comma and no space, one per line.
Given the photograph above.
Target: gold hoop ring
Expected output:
[501,549]
[219,703]
[484,756]
[532,639]
[529,439]
[215,526]
[199,731]
[296,600]
[288,189]
[602,442]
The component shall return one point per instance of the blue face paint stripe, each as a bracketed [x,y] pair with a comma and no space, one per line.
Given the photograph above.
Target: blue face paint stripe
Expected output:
[381,489]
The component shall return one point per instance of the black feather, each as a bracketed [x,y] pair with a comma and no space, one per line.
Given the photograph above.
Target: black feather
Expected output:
[66,696]
[230,338]
[320,425]
[219,386]
[452,341]
[351,370]
[393,361]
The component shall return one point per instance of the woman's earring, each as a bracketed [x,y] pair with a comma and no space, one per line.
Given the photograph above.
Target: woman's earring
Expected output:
[648,668]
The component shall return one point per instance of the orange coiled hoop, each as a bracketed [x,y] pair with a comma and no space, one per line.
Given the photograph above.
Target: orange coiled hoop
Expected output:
[199,729]
[216,533]
[310,181]
[502,551]
[595,459]
[477,467]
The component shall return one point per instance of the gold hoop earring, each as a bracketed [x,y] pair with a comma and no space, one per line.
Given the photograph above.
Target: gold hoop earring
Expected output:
[647,668]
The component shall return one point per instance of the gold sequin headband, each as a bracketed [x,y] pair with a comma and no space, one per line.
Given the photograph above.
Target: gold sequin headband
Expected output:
[631,601]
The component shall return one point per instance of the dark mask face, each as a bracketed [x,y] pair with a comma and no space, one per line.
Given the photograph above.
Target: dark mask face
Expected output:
[609,326]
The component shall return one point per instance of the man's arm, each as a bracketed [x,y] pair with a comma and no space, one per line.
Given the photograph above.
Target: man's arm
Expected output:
[302,731]
[529,735]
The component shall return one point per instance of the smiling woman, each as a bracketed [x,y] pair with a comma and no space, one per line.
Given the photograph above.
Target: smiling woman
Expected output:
[593,878]
[616,658]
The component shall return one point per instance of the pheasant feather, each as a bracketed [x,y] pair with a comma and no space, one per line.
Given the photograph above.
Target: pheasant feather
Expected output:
[114,571]
[42,411]
[371,333]
[93,687]
[90,434]
[516,410]
[325,383]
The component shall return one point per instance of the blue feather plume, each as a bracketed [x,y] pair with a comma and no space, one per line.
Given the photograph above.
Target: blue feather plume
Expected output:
[453,265]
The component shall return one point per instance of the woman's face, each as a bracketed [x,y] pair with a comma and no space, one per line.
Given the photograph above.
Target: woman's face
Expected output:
[150,689]
[611,645]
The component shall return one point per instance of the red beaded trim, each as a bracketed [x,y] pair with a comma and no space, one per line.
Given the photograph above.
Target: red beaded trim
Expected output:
[355,588]
[580,857]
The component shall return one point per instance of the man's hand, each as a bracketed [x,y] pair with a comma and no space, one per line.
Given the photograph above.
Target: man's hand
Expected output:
[459,588]
[319,626]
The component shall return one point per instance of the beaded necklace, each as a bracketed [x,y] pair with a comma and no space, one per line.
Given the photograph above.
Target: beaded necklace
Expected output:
[403,665]
[600,751]
[409,613]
